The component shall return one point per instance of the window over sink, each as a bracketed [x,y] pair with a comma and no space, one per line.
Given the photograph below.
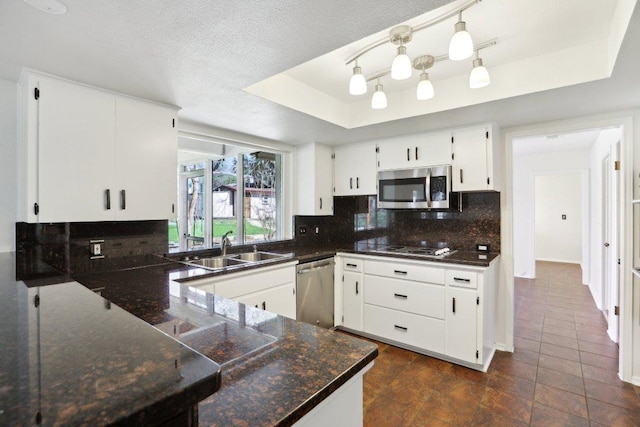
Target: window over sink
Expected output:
[239,191]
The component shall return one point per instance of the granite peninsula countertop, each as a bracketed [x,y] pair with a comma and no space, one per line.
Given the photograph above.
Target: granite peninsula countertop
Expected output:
[70,357]
[274,369]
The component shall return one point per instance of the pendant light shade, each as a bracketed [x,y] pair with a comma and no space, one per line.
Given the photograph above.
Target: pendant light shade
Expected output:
[425,88]
[357,84]
[479,76]
[401,65]
[461,45]
[379,99]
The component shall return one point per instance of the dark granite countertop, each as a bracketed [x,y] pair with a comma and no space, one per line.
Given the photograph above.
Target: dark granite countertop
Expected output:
[274,369]
[70,357]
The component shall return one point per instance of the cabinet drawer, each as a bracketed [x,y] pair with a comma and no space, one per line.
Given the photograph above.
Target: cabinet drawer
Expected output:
[255,282]
[419,331]
[421,273]
[413,297]
[352,264]
[462,278]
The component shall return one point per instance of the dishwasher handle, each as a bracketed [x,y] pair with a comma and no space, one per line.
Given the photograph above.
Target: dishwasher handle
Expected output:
[316,267]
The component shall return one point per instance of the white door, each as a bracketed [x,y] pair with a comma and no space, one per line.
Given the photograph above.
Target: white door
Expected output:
[75,153]
[606,236]
[146,158]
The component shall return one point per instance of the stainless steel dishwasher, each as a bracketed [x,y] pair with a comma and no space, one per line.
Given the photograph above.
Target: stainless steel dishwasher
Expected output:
[314,292]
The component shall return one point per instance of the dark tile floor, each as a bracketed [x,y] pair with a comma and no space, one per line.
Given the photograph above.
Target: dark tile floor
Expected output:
[563,371]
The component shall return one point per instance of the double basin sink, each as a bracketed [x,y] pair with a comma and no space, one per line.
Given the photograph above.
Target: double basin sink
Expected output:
[237,260]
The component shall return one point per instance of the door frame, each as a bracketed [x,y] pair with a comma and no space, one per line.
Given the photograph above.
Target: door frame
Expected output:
[624,120]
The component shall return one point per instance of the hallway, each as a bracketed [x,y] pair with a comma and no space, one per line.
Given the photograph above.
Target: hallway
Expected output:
[563,371]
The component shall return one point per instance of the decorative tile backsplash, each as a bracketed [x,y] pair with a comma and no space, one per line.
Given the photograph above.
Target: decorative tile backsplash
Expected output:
[358,218]
[65,247]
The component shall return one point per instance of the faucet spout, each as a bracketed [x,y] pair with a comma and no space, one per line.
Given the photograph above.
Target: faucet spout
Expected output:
[225,242]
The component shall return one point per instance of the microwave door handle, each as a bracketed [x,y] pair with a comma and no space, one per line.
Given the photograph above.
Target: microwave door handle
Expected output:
[427,188]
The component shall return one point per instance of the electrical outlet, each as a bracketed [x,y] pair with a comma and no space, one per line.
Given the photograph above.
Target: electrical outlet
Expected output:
[96,248]
[302,230]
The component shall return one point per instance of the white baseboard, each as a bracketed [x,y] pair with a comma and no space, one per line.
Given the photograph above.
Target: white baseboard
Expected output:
[503,347]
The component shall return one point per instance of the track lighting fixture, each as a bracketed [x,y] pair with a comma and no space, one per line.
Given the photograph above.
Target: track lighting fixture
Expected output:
[379,99]
[479,76]
[461,45]
[357,84]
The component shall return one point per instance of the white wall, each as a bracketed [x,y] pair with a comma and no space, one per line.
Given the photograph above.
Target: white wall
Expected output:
[558,239]
[8,170]
[525,168]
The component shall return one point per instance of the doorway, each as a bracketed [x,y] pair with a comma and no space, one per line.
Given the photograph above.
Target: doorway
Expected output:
[607,288]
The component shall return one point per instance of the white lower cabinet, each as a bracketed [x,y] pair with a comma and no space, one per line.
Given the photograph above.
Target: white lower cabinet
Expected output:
[352,295]
[444,310]
[280,299]
[462,324]
[271,288]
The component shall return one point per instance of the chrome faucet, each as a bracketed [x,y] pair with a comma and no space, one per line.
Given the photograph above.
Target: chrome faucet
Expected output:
[225,242]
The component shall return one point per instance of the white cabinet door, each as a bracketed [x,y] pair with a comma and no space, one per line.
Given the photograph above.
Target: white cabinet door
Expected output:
[352,300]
[355,170]
[470,157]
[461,324]
[76,136]
[413,151]
[279,300]
[146,160]
[314,180]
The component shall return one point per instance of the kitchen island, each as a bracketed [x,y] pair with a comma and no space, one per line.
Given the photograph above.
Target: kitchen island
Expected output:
[70,357]
[275,370]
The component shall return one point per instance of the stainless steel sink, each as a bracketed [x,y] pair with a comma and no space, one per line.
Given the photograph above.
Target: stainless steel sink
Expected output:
[246,258]
[260,256]
[217,262]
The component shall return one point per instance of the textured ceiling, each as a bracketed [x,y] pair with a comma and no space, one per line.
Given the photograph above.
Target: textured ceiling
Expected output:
[200,54]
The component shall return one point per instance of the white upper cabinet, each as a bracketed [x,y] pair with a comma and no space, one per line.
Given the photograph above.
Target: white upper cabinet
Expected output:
[414,151]
[475,159]
[146,160]
[75,168]
[92,155]
[314,183]
[355,170]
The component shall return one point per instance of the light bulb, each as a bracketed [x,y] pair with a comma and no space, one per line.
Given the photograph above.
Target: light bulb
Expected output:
[401,65]
[461,45]
[425,88]
[479,76]
[379,99]
[357,84]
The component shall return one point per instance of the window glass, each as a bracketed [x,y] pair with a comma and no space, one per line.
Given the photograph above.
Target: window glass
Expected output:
[240,194]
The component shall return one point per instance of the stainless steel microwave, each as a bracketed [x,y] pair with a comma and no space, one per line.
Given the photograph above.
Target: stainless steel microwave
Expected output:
[421,188]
